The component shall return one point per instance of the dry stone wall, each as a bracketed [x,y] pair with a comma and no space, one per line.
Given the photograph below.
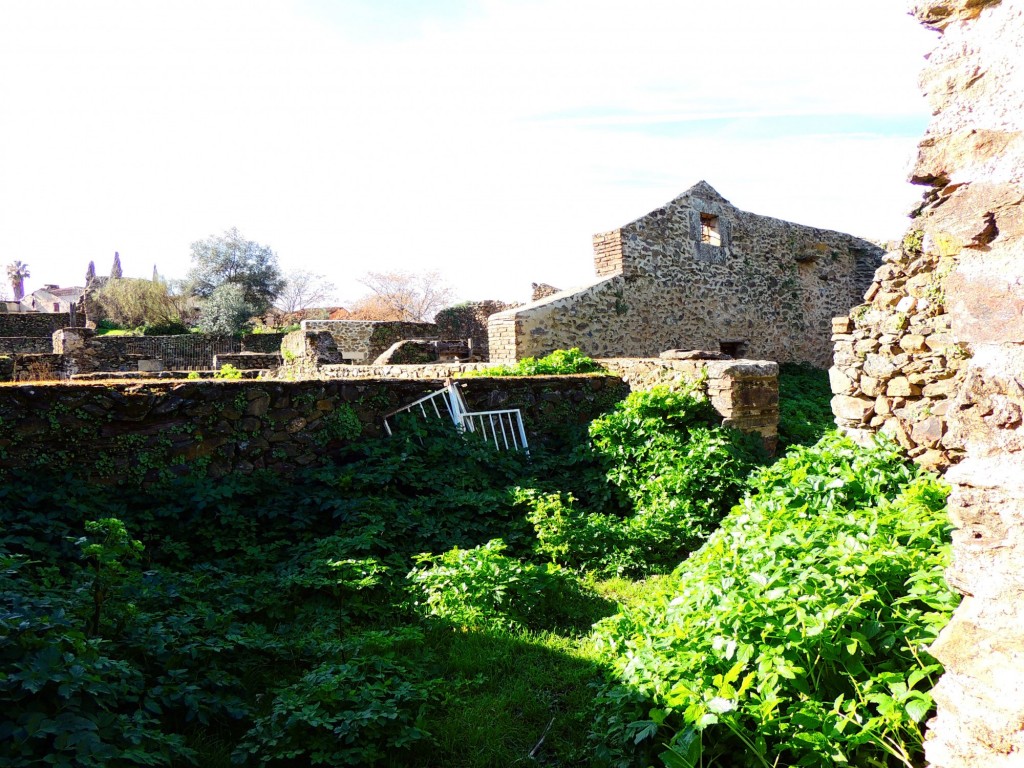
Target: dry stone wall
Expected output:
[950,309]
[38,324]
[972,160]
[699,273]
[131,433]
[896,366]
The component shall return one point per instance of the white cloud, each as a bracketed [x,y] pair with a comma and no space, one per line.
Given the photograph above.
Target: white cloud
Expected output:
[488,141]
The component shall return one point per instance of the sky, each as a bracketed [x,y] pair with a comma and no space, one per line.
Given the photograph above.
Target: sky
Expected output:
[486,140]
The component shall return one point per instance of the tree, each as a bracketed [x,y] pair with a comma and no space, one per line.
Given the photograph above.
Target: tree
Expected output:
[230,258]
[304,289]
[414,297]
[131,302]
[90,273]
[115,270]
[225,311]
[17,271]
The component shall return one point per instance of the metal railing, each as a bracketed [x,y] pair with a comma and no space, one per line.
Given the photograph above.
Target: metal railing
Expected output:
[504,428]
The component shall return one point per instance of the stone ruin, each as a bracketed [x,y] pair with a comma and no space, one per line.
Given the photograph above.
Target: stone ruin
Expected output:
[935,358]
[699,273]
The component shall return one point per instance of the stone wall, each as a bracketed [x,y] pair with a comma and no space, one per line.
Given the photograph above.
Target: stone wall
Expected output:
[972,161]
[25,345]
[85,352]
[896,366]
[38,324]
[139,432]
[469,321]
[262,342]
[365,340]
[699,273]
[744,392]
[248,361]
[949,307]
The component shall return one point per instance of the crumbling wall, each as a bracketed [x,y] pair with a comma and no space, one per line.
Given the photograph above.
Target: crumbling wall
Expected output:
[963,267]
[896,366]
[365,340]
[469,321]
[972,160]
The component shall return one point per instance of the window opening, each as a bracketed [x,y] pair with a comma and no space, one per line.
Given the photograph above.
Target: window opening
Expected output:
[709,231]
[735,348]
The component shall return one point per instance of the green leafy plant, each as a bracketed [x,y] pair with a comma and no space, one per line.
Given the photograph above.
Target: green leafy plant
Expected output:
[227,371]
[340,424]
[797,634]
[805,404]
[484,588]
[559,362]
[356,712]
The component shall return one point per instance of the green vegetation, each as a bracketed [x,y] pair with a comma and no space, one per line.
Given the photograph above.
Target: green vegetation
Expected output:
[227,371]
[796,635]
[427,601]
[559,362]
[805,413]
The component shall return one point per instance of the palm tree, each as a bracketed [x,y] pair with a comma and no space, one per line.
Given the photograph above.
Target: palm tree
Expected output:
[16,273]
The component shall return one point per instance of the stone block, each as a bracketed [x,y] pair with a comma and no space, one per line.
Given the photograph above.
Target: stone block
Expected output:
[841,383]
[842,325]
[906,304]
[928,432]
[912,342]
[879,366]
[855,409]
[901,387]
[870,386]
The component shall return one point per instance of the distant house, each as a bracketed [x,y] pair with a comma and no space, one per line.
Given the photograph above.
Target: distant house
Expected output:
[53,298]
[699,273]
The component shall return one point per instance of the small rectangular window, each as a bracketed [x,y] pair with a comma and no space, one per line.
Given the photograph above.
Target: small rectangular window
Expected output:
[709,232]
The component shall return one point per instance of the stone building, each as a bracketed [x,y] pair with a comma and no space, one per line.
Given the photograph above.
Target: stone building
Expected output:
[936,359]
[700,273]
[53,298]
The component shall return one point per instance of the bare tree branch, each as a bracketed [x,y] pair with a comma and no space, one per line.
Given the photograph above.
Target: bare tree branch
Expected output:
[414,297]
[304,290]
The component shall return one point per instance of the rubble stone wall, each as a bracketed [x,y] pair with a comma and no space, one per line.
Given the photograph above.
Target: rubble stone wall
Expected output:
[469,321]
[141,432]
[37,324]
[947,315]
[744,392]
[765,288]
[25,345]
[896,366]
[972,160]
[365,340]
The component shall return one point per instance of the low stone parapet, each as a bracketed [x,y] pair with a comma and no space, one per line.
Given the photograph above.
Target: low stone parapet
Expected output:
[744,392]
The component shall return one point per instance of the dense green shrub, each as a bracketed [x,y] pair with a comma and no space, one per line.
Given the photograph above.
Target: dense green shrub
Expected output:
[356,712]
[271,621]
[805,404]
[484,588]
[676,474]
[559,362]
[797,634]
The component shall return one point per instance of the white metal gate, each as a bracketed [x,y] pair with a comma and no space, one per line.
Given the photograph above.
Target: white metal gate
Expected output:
[504,428]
